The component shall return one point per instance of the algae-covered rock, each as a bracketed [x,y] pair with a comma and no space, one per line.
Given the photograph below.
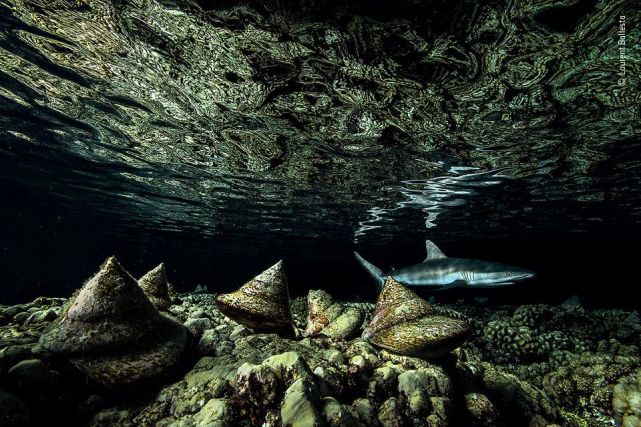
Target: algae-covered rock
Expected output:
[480,411]
[516,399]
[289,366]
[300,405]
[337,415]
[586,383]
[626,400]
[215,413]
[258,384]
[13,412]
[390,414]
[417,387]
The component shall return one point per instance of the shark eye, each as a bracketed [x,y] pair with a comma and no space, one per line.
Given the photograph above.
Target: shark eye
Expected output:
[509,274]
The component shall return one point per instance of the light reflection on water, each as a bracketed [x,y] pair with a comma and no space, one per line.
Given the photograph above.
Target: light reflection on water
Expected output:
[432,196]
[131,116]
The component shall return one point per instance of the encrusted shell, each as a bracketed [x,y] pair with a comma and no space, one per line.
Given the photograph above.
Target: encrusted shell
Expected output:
[262,303]
[109,311]
[113,333]
[329,318]
[155,285]
[406,324]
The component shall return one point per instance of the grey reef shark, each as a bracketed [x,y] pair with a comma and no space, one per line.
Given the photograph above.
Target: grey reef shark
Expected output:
[441,272]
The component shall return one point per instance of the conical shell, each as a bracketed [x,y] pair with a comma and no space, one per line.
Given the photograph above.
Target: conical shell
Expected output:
[113,333]
[153,356]
[321,310]
[154,284]
[406,324]
[395,305]
[331,319]
[109,311]
[262,303]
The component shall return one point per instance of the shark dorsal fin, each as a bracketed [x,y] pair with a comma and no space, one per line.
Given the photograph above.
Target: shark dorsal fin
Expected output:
[433,252]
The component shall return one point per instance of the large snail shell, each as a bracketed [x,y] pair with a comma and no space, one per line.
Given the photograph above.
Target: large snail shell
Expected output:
[331,319]
[262,303]
[406,324]
[109,311]
[155,285]
[113,333]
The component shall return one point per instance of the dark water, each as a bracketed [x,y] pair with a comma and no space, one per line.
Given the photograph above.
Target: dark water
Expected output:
[219,139]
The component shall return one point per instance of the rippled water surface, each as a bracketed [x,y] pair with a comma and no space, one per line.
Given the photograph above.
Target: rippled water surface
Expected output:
[220,138]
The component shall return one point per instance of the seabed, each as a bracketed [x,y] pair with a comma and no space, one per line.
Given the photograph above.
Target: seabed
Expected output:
[528,365]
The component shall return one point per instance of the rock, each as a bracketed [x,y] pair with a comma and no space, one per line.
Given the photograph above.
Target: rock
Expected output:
[112,332]
[517,400]
[11,355]
[336,415]
[626,401]
[331,319]
[154,284]
[407,325]
[587,381]
[223,348]
[197,326]
[41,316]
[299,407]
[417,387]
[383,383]
[21,317]
[289,367]
[12,311]
[262,303]
[29,374]
[208,342]
[480,411]
[215,413]
[390,414]
[238,332]
[257,384]
[13,412]
[112,417]
[364,412]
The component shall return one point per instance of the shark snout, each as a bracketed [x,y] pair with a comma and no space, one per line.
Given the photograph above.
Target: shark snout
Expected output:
[522,274]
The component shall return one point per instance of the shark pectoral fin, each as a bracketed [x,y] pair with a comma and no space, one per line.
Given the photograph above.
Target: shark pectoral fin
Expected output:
[454,284]
[433,252]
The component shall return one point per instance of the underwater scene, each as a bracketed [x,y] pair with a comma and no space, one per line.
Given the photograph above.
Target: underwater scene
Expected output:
[320,213]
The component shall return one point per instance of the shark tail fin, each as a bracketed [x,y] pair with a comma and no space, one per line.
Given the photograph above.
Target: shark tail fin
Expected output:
[374,271]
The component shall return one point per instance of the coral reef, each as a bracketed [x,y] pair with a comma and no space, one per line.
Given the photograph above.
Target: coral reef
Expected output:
[243,377]
[626,400]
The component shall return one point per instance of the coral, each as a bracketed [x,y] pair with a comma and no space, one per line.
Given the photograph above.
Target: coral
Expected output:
[586,383]
[626,400]
[243,377]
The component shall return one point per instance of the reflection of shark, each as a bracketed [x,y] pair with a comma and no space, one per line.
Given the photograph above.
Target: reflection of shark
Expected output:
[446,273]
